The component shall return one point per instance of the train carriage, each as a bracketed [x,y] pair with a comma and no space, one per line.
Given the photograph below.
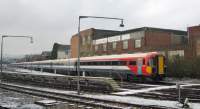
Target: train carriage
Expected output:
[124,66]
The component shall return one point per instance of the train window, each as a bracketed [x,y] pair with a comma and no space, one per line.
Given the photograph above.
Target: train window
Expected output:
[143,61]
[107,63]
[94,63]
[150,63]
[132,63]
[155,60]
[89,63]
[140,62]
[122,62]
[115,62]
[101,63]
[82,63]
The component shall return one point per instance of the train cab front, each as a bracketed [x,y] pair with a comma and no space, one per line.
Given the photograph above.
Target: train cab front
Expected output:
[157,63]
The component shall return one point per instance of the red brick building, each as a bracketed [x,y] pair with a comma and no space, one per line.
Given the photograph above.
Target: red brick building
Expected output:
[194,40]
[86,41]
[167,41]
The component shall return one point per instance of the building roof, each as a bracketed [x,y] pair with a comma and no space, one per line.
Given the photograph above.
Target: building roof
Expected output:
[178,32]
[100,33]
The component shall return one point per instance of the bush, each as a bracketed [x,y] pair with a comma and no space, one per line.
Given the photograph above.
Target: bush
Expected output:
[180,67]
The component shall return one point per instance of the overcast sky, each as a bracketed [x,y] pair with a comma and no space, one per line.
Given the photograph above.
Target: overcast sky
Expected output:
[50,21]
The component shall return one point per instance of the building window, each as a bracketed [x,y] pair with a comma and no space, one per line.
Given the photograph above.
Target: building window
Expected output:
[138,43]
[198,47]
[83,40]
[89,39]
[114,45]
[104,47]
[125,44]
[109,46]
[137,35]
[96,47]
[162,52]
[174,54]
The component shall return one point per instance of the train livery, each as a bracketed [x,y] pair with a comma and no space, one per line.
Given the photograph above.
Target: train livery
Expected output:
[139,66]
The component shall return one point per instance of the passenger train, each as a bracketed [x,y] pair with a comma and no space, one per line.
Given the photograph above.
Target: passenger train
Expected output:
[137,66]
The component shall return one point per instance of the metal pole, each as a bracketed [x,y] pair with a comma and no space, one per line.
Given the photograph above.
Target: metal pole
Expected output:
[179,91]
[1,54]
[78,60]
[79,38]
[101,17]
[2,46]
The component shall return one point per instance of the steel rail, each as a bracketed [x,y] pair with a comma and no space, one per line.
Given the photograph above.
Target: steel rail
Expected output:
[76,98]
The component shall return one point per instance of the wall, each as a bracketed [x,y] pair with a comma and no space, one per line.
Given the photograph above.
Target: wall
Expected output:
[157,39]
[61,54]
[194,37]
[84,46]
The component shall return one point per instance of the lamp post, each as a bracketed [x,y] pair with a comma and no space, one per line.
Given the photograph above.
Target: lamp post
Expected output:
[4,36]
[79,37]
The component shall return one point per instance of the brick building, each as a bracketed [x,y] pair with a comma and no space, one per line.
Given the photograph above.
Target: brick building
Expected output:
[194,40]
[166,41]
[86,41]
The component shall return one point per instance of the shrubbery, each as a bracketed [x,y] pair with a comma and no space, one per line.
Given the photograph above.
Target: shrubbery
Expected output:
[180,67]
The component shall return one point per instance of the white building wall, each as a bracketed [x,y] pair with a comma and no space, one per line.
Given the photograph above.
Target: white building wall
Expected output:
[61,55]
[133,35]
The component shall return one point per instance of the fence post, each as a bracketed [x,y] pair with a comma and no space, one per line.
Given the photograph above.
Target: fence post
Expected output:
[178,86]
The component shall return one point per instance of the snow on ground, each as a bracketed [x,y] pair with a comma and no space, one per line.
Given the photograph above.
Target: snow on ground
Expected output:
[128,99]
[182,80]
[141,101]
[47,101]
[128,92]
[14,100]
[33,72]
[125,99]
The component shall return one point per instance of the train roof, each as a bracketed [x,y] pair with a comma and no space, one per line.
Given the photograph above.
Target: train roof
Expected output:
[135,55]
[117,56]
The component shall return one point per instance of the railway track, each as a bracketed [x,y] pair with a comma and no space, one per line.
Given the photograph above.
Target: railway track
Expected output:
[94,102]
[138,85]
[172,94]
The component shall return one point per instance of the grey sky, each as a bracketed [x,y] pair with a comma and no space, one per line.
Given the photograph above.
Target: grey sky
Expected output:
[50,21]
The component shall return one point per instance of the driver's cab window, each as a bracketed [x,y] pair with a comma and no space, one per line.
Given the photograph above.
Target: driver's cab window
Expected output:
[150,63]
[140,62]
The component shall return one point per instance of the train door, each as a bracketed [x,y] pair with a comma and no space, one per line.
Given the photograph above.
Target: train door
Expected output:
[139,64]
[158,63]
[161,65]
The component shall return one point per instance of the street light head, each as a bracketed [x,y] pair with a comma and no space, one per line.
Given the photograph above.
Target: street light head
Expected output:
[122,24]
